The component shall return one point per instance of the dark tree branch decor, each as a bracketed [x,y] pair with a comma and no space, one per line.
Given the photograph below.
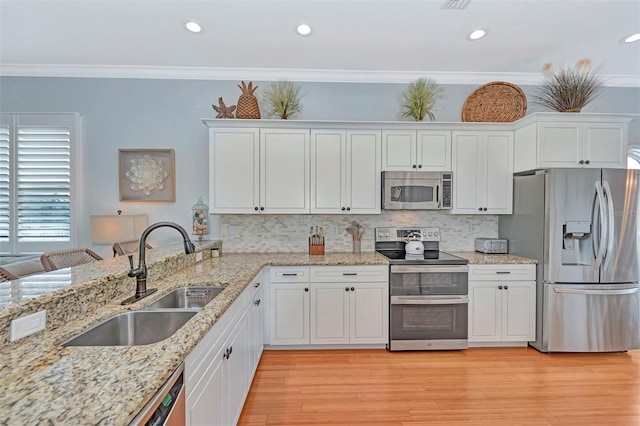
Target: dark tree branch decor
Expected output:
[569,89]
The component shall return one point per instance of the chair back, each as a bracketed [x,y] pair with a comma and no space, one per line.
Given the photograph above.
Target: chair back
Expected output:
[60,259]
[127,247]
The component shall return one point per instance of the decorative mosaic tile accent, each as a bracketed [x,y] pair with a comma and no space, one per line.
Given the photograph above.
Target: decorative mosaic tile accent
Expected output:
[288,233]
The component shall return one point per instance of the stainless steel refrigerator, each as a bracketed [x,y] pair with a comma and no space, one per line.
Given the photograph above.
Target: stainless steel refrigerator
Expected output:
[582,227]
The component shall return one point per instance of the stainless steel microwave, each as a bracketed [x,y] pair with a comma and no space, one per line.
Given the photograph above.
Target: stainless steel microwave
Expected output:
[416,190]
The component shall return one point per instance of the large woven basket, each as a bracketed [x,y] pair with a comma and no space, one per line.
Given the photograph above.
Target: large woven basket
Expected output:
[495,102]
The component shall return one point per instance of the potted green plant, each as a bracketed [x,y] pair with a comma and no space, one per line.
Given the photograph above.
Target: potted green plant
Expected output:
[569,89]
[283,99]
[420,99]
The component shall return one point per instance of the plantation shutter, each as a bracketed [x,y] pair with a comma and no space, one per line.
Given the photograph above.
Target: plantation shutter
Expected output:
[4,183]
[40,182]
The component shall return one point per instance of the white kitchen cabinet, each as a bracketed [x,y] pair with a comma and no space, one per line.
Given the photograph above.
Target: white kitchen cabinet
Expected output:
[410,150]
[218,371]
[338,305]
[502,303]
[259,170]
[564,140]
[345,171]
[256,325]
[482,167]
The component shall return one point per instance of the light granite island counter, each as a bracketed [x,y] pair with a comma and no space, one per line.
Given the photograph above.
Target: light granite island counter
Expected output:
[45,383]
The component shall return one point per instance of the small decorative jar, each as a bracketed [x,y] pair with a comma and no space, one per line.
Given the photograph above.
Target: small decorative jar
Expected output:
[200,219]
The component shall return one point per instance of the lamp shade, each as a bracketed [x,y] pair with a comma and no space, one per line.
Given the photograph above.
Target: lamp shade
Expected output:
[109,229]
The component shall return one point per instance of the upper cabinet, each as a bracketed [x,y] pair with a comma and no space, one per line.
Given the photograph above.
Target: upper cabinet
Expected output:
[345,171]
[424,150]
[482,172]
[259,170]
[572,140]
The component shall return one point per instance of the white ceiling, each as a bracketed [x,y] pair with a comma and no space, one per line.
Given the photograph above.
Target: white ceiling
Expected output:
[353,40]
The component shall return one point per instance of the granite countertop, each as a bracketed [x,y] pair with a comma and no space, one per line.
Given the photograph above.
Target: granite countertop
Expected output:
[476,258]
[44,382]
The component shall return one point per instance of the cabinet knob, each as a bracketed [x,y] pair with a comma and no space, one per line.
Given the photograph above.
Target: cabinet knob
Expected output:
[414,166]
[346,289]
[353,289]
[587,162]
[256,208]
[343,209]
[484,209]
[256,285]
[506,287]
[261,208]
[348,209]
[419,166]
[581,162]
[499,287]
[480,209]
[257,302]
[306,289]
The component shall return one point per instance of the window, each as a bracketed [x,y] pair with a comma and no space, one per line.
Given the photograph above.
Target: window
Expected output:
[37,182]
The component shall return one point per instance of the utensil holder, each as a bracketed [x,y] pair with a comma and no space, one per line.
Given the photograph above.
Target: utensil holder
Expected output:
[356,246]
[316,249]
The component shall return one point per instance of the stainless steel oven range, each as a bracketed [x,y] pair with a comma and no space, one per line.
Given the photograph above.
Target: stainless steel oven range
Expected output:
[428,291]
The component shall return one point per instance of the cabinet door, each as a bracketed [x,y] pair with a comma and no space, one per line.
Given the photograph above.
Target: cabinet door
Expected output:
[205,405]
[518,311]
[362,195]
[485,323]
[399,150]
[605,145]
[434,150]
[328,166]
[289,313]
[469,187]
[559,145]
[329,313]
[234,157]
[369,313]
[499,173]
[235,370]
[284,171]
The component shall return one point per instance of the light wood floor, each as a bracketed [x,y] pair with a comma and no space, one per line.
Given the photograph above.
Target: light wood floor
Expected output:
[479,386]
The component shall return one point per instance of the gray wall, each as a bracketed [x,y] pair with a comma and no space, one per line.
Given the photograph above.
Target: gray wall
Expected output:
[142,113]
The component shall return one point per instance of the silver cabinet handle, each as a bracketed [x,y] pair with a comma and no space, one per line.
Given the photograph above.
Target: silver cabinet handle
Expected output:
[429,300]
[596,292]
[418,269]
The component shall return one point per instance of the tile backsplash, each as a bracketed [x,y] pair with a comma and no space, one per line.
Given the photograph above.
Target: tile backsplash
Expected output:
[288,233]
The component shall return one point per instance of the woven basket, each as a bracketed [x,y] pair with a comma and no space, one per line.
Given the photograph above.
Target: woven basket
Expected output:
[495,102]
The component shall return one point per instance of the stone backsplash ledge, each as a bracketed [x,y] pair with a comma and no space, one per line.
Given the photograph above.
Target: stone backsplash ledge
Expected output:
[288,233]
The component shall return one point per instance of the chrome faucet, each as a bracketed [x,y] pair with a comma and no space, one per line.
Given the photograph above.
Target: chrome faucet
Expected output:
[141,271]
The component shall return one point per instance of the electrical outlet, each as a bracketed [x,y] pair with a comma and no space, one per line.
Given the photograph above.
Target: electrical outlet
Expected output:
[27,325]
[198,256]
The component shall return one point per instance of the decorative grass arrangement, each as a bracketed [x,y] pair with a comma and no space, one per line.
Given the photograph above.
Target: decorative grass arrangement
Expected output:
[420,99]
[283,99]
[569,89]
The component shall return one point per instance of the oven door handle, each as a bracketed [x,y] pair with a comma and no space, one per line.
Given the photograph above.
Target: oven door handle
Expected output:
[428,269]
[429,300]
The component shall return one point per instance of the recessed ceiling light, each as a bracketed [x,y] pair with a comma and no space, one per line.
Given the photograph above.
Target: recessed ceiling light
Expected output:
[193,26]
[478,34]
[303,29]
[631,38]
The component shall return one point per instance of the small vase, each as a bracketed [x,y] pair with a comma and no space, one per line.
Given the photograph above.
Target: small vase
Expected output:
[356,246]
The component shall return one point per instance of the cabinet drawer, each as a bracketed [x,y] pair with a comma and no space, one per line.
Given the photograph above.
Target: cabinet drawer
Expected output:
[254,287]
[502,272]
[297,274]
[332,274]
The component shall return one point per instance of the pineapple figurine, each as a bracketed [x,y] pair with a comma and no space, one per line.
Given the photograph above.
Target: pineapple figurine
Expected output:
[247,103]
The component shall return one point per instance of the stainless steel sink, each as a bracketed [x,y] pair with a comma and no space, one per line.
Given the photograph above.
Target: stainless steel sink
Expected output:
[186,298]
[133,328]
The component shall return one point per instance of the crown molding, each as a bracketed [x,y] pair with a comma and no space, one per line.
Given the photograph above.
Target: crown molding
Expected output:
[273,74]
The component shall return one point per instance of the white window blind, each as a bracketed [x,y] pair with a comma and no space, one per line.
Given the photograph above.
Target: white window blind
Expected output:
[38,192]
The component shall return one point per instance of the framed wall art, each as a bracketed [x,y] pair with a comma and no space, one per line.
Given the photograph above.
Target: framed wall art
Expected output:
[147,175]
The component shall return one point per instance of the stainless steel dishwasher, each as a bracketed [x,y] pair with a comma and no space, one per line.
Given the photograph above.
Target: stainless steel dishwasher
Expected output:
[167,407]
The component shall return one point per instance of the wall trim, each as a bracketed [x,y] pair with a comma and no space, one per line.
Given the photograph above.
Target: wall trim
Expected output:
[272,74]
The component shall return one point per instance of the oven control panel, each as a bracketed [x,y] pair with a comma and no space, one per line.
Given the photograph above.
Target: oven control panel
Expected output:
[399,234]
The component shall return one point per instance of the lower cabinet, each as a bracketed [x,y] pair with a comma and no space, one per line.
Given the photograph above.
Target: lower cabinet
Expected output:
[502,303]
[220,368]
[336,305]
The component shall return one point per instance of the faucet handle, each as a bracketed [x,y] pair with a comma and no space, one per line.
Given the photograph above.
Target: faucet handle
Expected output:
[131,261]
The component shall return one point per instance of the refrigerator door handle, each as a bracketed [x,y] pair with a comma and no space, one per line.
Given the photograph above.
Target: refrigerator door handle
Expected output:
[597,292]
[602,225]
[610,223]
